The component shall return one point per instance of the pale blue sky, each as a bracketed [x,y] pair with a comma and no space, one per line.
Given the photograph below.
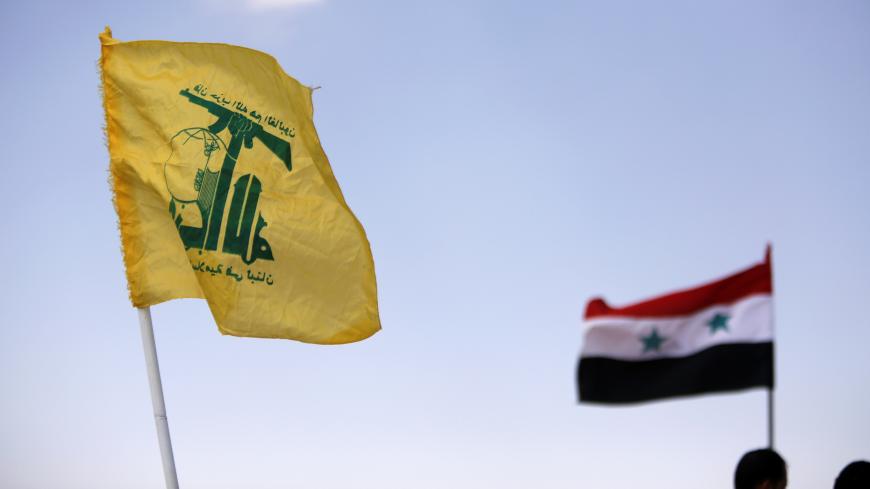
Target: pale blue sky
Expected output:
[508,161]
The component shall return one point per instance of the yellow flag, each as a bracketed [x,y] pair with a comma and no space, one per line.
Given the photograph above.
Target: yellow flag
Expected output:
[224,193]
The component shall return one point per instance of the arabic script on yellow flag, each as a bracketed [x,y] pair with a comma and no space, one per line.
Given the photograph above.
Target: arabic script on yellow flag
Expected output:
[224,193]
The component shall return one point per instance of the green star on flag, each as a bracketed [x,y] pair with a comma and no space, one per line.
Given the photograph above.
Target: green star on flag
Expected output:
[719,321]
[653,342]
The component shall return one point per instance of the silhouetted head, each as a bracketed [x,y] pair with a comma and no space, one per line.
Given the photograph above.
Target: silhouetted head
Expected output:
[856,475]
[760,469]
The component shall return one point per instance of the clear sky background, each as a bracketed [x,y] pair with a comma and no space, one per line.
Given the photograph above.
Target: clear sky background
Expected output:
[508,160]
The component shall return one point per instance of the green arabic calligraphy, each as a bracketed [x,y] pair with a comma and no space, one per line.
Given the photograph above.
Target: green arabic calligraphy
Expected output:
[210,189]
[240,106]
[203,267]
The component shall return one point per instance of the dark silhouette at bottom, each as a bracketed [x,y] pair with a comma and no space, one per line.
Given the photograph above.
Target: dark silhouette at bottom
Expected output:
[856,475]
[760,469]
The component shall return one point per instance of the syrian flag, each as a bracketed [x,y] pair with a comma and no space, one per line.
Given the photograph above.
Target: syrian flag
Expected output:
[712,338]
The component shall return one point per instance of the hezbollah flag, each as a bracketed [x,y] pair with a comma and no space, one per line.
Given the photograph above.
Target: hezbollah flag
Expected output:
[711,338]
[224,193]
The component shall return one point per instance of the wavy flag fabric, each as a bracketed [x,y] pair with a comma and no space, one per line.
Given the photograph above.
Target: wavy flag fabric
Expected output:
[712,338]
[223,192]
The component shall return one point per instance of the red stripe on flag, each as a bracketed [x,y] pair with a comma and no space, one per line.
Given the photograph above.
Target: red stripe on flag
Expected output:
[753,280]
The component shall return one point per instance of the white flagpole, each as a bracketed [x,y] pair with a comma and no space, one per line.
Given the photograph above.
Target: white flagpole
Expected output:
[157,397]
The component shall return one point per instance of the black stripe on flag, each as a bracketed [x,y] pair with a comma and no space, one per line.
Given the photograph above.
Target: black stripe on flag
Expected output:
[725,367]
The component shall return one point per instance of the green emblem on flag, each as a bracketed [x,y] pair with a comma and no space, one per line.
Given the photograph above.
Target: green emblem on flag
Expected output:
[719,321]
[653,342]
[201,226]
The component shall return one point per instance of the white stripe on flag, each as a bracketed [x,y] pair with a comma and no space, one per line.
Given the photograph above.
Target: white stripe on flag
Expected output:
[748,320]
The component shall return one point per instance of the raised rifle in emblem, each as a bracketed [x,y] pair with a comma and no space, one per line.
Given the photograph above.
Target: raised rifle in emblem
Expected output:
[244,224]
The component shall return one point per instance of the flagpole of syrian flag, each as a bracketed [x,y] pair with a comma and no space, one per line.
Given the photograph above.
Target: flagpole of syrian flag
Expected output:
[157,397]
[769,262]
[716,337]
[770,418]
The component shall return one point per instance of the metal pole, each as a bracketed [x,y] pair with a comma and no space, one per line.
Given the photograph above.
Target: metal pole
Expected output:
[769,260]
[157,398]
[770,418]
